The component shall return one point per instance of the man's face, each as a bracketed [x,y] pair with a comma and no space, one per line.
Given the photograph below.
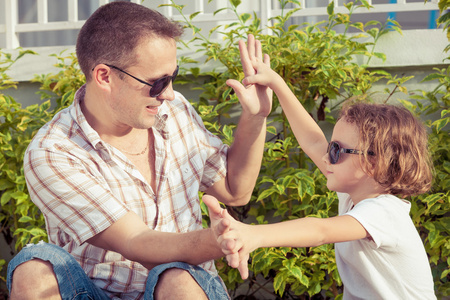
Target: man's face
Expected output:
[130,102]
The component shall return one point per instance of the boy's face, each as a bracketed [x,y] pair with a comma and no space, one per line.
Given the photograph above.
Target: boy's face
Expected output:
[347,175]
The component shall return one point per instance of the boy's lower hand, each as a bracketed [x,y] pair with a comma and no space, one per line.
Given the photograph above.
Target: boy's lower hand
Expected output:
[227,238]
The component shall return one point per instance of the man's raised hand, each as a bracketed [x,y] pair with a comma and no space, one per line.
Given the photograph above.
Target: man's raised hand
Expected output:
[255,99]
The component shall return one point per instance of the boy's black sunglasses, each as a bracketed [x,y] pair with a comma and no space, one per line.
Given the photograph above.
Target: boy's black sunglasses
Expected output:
[334,151]
[158,87]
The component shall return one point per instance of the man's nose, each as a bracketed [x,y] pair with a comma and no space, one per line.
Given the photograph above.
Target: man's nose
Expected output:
[168,93]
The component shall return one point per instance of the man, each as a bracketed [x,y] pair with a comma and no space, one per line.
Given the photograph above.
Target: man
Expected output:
[117,174]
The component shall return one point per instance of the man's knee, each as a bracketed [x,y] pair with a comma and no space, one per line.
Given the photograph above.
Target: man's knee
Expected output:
[177,283]
[34,279]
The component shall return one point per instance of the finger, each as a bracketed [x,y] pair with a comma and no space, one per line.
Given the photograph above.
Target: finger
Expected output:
[213,204]
[226,215]
[229,245]
[238,88]
[223,238]
[258,50]
[251,46]
[233,260]
[248,81]
[267,59]
[243,267]
[223,226]
[247,67]
[230,242]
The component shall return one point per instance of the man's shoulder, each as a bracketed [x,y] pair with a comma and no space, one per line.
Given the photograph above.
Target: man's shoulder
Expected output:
[58,130]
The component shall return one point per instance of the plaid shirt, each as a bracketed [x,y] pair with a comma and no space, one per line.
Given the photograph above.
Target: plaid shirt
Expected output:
[83,185]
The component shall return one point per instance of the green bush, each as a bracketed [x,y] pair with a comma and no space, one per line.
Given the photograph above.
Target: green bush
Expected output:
[318,63]
[21,221]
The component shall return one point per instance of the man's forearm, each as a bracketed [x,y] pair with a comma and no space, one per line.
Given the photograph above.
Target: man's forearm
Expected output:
[245,156]
[152,248]
[133,239]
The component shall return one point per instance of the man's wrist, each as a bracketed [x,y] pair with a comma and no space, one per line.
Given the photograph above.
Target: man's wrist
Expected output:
[214,244]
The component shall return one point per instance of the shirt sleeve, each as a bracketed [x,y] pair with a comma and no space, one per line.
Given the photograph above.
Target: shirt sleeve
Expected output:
[214,152]
[377,216]
[70,194]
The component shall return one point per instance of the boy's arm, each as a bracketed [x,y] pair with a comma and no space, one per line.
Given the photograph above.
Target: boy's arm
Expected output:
[309,135]
[306,232]
[236,237]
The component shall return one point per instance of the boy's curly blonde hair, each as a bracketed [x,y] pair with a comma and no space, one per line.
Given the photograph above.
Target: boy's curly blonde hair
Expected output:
[402,163]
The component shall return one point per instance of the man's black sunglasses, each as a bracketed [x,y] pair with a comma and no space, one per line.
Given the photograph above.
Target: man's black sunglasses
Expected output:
[334,152]
[158,87]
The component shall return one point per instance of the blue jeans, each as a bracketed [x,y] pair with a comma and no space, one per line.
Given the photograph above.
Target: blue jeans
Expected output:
[74,284]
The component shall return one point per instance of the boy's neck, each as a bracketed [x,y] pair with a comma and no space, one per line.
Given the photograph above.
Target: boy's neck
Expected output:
[367,188]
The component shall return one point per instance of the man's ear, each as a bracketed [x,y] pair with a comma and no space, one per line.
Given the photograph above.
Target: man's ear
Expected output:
[101,75]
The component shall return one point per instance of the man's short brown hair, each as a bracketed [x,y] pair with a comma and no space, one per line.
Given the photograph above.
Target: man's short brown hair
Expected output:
[114,30]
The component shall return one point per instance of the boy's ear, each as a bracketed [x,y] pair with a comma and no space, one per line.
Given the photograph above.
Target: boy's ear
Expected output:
[369,165]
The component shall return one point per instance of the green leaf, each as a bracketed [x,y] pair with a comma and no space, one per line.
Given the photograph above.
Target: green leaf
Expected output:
[18,195]
[177,7]
[432,199]
[245,17]
[232,275]
[443,18]
[296,272]
[279,282]
[272,130]
[219,10]
[6,197]
[265,194]
[5,184]
[381,56]
[441,123]
[37,232]
[445,273]
[380,72]
[373,32]
[192,16]
[330,8]
[235,3]
[25,219]
[433,76]
[226,94]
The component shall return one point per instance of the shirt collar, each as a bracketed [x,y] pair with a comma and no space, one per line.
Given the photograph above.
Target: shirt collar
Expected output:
[161,120]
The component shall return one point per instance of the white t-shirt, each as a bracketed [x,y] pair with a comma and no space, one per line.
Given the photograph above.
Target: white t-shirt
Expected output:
[392,262]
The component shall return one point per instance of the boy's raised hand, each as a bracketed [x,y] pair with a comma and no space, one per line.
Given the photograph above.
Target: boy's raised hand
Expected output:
[263,75]
[250,54]
[227,236]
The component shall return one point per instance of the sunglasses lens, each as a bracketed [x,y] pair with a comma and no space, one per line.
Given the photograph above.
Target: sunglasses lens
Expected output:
[161,84]
[333,152]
